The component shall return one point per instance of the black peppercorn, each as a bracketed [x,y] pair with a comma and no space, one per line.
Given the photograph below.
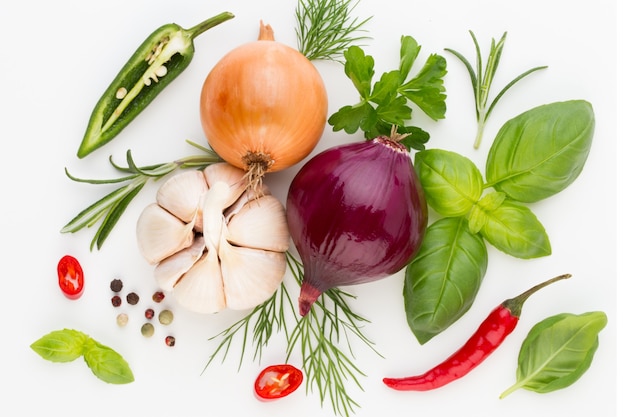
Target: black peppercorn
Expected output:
[116,285]
[132,298]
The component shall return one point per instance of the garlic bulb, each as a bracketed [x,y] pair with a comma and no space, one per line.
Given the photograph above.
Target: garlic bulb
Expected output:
[215,242]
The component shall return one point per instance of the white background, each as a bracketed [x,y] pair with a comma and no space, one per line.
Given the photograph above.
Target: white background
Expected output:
[58,57]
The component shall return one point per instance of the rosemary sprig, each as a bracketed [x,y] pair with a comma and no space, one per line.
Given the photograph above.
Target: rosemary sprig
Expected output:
[110,208]
[481,80]
[316,337]
[325,28]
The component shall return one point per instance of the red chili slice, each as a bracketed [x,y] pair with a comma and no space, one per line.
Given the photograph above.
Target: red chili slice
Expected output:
[71,277]
[277,381]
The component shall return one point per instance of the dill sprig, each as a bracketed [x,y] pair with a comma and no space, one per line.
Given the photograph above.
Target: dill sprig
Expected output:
[110,208]
[317,337]
[325,28]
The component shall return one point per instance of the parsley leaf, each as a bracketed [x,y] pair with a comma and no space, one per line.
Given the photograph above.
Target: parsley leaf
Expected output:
[388,101]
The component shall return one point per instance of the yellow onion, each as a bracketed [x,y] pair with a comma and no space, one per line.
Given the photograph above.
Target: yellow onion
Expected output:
[263,106]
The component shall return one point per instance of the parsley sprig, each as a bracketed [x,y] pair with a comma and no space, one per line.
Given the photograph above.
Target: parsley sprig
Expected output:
[385,103]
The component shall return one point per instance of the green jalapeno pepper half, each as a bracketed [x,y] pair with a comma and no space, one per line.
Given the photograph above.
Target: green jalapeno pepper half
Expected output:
[157,61]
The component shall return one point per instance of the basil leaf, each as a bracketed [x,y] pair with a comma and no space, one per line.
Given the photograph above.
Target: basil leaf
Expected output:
[60,345]
[441,283]
[558,351]
[541,151]
[515,230]
[451,182]
[107,364]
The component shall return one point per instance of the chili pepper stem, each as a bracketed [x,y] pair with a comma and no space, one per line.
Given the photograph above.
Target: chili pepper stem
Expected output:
[208,24]
[514,305]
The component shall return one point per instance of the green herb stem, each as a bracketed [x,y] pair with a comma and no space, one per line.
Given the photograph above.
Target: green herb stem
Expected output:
[110,208]
[482,79]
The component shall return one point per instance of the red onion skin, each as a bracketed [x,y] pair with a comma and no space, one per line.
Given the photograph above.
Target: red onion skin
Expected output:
[356,214]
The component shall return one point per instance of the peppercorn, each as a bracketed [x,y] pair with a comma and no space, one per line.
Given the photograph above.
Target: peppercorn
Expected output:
[147,329]
[170,341]
[116,301]
[117,285]
[166,317]
[132,298]
[122,319]
[149,313]
[158,296]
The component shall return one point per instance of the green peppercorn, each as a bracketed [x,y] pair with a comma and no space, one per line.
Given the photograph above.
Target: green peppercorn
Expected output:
[147,329]
[166,317]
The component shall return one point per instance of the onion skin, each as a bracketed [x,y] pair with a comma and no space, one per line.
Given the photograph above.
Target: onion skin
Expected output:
[356,213]
[263,98]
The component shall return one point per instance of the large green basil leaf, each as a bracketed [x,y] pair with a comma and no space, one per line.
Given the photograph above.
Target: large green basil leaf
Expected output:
[451,182]
[60,345]
[107,364]
[541,151]
[441,283]
[558,351]
[515,230]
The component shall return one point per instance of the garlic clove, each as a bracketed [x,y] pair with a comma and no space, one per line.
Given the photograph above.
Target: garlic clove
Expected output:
[251,193]
[250,276]
[160,234]
[171,269]
[260,224]
[182,194]
[234,177]
[200,289]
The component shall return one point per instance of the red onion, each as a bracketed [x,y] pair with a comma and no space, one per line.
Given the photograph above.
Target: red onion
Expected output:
[356,214]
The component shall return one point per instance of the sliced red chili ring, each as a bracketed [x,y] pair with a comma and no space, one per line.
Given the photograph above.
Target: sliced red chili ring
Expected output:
[71,277]
[277,381]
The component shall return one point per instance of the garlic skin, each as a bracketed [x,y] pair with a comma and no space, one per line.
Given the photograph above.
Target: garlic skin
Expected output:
[215,242]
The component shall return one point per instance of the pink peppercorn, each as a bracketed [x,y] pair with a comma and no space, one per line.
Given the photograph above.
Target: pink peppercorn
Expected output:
[149,313]
[170,341]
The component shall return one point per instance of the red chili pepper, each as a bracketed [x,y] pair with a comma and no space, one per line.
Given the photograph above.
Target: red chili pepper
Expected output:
[71,277]
[489,335]
[277,381]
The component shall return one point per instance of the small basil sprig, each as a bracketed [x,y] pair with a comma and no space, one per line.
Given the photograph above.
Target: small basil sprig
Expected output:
[385,103]
[482,79]
[67,345]
[558,351]
[534,156]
